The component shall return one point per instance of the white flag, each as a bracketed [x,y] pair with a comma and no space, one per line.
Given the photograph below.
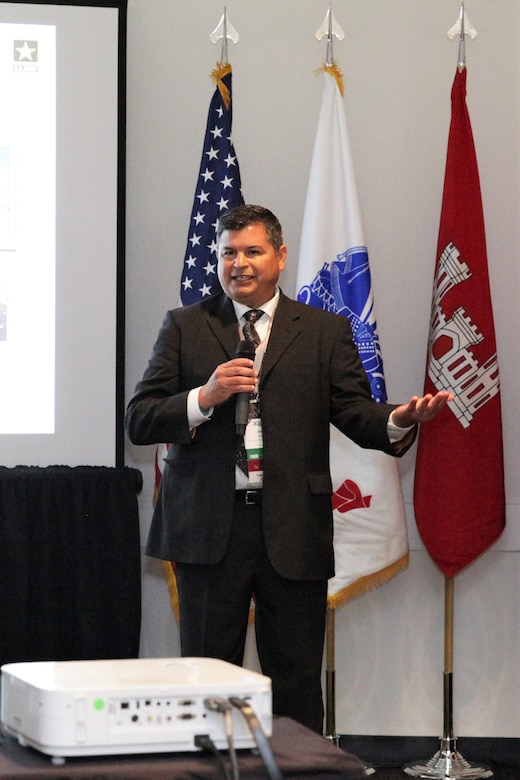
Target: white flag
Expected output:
[370,537]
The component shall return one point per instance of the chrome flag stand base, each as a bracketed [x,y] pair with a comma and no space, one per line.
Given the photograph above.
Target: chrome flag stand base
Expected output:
[448,763]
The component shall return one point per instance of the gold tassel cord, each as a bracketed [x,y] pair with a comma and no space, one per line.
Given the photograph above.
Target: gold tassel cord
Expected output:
[335,71]
[217,75]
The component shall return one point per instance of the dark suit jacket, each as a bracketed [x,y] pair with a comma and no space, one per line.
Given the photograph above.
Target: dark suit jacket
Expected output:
[311,376]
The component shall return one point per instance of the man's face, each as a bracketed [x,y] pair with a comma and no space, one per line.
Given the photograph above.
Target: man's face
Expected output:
[248,265]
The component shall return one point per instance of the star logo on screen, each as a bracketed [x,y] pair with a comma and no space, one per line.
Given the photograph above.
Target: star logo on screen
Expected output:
[25,55]
[26,51]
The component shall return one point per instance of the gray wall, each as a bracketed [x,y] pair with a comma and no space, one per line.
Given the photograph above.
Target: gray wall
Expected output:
[399,66]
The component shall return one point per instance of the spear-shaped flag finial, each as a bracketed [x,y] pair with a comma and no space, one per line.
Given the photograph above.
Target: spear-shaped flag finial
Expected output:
[224,31]
[330,27]
[460,29]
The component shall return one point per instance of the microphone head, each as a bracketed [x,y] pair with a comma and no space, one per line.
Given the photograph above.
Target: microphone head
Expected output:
[246,349]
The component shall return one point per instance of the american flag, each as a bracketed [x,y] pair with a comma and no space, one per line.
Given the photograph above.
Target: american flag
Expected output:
[218,189]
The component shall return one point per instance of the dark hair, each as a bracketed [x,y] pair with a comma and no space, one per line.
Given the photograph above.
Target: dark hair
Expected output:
[242,216]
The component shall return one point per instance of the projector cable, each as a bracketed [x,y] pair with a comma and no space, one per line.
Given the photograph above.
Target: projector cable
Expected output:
[224,707]
[260,738]
[204,742]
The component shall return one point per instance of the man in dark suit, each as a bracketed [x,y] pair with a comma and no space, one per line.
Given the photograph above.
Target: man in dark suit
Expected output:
[265,528]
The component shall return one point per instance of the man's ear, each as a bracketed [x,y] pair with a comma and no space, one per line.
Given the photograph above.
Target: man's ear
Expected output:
[282,257]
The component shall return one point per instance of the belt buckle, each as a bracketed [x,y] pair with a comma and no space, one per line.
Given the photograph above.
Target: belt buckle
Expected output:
[250,497]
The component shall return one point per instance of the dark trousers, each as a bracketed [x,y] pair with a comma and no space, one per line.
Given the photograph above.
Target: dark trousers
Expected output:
[289,618]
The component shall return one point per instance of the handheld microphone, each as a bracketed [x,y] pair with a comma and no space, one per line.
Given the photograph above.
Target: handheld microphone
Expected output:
[245,349]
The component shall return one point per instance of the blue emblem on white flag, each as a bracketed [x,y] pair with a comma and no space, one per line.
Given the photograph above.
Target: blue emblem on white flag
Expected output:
[344,287]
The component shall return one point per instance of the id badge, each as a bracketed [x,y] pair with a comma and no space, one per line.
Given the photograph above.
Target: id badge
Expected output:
[254,445]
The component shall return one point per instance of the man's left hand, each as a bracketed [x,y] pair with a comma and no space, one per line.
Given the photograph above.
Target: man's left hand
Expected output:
[420,410]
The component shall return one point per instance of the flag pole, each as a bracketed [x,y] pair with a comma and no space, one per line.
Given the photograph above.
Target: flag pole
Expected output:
[330,690]
[447,761]
[448,734]
[461,222]
[330,29]
[343,285]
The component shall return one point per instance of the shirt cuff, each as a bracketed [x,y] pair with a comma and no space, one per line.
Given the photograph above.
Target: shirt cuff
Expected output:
[395,432]
[196,416]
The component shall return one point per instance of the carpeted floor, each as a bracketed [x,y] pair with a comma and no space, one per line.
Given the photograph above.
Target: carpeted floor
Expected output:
[500,772]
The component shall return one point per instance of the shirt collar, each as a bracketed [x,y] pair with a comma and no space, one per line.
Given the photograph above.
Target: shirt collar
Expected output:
[268,308]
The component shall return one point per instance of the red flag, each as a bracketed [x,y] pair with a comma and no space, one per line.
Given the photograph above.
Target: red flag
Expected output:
[459,475]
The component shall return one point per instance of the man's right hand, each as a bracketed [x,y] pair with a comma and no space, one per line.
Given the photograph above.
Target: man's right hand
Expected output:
[235,376]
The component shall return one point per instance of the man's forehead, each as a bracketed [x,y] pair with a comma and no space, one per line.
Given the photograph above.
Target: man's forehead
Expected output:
[251,235]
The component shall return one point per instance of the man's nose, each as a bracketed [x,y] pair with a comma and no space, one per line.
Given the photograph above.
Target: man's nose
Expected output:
[240,259]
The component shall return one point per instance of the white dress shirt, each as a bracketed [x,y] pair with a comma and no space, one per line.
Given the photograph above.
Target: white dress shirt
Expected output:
[197,416]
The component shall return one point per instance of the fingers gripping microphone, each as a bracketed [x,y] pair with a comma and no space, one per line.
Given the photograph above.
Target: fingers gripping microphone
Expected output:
[245,349]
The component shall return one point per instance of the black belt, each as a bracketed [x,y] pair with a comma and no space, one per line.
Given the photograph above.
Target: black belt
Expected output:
[248,497]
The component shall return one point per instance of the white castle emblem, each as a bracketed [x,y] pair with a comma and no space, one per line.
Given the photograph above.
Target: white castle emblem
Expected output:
[452,365]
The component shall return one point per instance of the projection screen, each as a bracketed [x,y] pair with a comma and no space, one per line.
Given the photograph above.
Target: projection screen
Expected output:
[62,119]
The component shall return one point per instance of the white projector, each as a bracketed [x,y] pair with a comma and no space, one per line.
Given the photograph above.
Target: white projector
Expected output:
[145,705]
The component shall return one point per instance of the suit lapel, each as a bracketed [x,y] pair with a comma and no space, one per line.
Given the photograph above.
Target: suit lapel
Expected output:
[286,327]
[223,323]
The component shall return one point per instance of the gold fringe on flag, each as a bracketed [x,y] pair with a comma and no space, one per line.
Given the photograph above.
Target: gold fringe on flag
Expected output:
[217,75]
[364,584]
[171,579]
[357,588]
[336,73]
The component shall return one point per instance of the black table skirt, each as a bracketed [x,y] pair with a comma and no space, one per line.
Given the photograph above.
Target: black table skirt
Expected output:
[69,563]
[299,753]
